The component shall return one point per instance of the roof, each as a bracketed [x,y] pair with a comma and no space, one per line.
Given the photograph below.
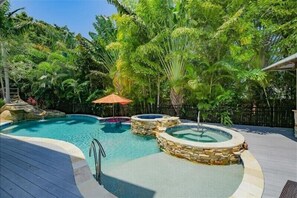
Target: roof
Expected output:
[289,63]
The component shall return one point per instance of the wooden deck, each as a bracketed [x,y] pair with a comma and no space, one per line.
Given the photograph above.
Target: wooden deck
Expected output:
[31,170]
[276,151]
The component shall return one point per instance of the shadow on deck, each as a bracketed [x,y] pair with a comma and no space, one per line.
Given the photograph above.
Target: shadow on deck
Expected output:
[30,170]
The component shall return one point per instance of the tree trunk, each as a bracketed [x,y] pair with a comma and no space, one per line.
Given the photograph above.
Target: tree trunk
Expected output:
[6,74]
[177,100]
[158,95]
[2,84]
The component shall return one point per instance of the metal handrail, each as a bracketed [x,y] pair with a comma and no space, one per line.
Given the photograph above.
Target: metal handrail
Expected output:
[199,128]
[97,158]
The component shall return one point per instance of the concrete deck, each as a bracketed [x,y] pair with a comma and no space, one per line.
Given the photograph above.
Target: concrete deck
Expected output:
[276,151]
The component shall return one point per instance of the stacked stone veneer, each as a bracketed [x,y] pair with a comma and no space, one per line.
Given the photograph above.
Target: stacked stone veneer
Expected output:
[228,153]
[152,126]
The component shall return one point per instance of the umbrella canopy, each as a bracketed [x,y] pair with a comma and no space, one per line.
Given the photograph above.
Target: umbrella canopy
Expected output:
[112,99]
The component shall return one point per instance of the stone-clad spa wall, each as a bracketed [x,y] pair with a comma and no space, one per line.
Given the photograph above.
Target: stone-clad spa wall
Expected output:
[221,153]
[152,126]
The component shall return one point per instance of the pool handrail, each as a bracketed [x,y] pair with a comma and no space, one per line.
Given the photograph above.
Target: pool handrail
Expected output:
[97,158]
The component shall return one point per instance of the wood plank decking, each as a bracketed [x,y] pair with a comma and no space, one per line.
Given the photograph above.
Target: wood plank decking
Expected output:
[276,151]
[31,170]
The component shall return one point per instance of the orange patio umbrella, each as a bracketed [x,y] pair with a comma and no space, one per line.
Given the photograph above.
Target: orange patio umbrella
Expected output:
[112,99]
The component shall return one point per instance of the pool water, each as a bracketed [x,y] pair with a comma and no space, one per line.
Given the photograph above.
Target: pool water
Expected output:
[203,134]
[119,143]
[150,116]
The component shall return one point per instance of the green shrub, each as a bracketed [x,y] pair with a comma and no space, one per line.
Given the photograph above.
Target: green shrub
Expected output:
[226,119]
[37,56]
[1,102]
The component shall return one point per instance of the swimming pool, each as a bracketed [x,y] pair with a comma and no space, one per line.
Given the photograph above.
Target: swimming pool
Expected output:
[119,143]
[129,168]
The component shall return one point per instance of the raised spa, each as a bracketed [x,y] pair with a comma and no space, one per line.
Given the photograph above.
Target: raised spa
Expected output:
[151,116]
[198,134]
[209,144]
[150,124]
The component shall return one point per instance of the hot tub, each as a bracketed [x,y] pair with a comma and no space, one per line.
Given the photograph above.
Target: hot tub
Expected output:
[150,124]
[211,145]
[201,134]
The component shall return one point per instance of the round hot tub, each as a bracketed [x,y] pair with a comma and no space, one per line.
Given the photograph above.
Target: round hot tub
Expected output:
[150,124]
[198,134]
[151,116]
[208,144]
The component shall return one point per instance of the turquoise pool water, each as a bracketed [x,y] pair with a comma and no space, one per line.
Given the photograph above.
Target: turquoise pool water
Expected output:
[150,116]
[204,134]
[118,141]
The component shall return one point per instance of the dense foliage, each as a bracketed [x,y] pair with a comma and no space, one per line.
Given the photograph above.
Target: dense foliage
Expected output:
[196,52]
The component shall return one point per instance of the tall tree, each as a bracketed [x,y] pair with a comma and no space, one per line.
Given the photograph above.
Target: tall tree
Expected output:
[9,28]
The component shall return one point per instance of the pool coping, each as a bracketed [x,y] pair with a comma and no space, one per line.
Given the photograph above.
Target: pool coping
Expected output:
[164,116]
[100,118]
[5,124]
[84,179]
[252,184]
[84,115]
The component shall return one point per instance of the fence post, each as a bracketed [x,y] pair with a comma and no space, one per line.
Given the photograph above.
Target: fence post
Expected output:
[272,116]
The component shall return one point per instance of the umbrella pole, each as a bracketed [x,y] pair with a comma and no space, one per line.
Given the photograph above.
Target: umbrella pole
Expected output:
[113,110]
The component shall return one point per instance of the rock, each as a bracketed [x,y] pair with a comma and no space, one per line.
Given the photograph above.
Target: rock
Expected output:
[23,111]
[152,127]
[6,115]
[54,114]
[209,152]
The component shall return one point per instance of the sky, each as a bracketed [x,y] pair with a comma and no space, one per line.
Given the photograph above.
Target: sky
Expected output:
[78,15]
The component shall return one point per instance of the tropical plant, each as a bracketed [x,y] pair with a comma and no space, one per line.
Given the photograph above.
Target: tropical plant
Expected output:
[204,52]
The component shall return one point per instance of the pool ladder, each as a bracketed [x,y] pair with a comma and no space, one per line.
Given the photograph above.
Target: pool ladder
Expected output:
[97,158]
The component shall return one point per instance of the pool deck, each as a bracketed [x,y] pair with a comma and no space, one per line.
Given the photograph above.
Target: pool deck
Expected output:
[29,168]
[39,167]
[276,151]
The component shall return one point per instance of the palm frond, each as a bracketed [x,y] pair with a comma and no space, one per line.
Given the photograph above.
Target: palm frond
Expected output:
[15,11]
[120,7]
[2,2]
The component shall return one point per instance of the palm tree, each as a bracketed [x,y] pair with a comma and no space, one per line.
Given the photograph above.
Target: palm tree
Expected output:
[8,29]
[166,35]
[2,2]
